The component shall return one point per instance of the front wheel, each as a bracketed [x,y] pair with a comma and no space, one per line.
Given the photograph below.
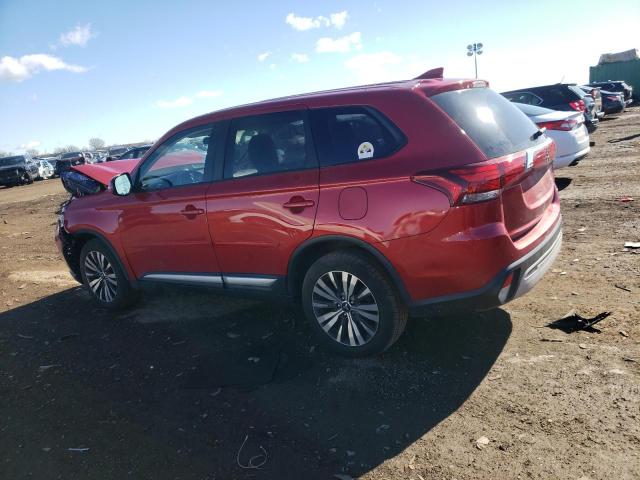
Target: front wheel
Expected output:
[103,277]
[352,305]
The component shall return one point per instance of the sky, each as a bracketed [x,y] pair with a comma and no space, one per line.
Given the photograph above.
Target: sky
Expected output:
[128,71]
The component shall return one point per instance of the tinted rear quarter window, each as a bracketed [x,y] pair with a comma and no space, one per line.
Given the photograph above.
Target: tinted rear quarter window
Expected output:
[556,95]
[352,134]
[494,124]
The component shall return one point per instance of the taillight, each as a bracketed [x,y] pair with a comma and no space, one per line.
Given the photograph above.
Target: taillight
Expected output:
[609,97]
[566,125]
[578,105]
[482,181]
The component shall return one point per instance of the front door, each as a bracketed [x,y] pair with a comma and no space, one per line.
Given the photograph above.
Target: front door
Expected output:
[265,205]
[164,224]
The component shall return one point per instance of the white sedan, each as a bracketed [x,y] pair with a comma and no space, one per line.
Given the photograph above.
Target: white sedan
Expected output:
[567,129]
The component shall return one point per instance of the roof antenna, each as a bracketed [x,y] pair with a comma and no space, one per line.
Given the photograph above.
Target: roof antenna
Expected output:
[433,73]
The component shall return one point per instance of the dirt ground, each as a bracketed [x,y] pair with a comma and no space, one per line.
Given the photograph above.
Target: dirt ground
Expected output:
[189,385]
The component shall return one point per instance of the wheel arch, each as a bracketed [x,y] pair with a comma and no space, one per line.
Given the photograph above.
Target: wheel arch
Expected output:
[82,236]
[307,253]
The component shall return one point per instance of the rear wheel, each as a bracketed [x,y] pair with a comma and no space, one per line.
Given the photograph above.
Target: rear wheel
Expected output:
[103,277]
[352,305]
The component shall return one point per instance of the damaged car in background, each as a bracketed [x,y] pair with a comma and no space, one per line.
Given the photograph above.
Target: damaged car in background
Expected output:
[320,204]
[17,170]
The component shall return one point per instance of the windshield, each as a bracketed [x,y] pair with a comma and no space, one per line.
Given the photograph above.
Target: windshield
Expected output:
[71,155]
[495,124]
[7,161]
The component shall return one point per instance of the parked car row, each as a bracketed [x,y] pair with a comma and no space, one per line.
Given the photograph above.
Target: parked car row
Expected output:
[24,169]
[570,112]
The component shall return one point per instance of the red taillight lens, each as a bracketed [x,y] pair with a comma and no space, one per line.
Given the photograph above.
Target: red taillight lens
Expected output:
[577,105]
[478,182]
[609,97]
[566,125]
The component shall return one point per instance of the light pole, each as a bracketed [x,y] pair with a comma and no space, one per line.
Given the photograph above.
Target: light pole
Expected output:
[475,50]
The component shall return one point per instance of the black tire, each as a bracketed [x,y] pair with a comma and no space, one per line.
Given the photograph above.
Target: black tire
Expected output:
[112,296]
[340,337]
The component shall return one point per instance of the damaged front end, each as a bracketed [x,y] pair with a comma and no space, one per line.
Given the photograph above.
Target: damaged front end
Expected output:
[67,244]
[79,184]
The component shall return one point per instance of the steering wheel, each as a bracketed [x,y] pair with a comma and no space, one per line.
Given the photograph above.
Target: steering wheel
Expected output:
[191,176]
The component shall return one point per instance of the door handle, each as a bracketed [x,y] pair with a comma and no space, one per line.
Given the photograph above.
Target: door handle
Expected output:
[299,203]
[191,212]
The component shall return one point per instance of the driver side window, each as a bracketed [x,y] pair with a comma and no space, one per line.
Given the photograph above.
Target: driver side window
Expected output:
[178,162]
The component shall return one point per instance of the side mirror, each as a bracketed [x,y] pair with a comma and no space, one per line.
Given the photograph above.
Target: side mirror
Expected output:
[121,185]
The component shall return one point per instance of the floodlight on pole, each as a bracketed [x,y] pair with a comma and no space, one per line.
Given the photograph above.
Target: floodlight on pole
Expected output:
[474,50]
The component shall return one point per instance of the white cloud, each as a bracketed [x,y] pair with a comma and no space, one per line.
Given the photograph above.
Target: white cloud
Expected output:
[208,93]
[272,66]
[29,145]
[185,101]
[263,56]
[178,102]
[19,69]
[376,67]
[337,20]
[300,57]
[340,45]
[79,36]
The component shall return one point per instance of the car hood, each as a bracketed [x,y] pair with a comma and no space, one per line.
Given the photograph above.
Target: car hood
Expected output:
[104,172]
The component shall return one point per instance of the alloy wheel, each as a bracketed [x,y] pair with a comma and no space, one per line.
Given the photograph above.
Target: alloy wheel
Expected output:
[101,276]
[345,308]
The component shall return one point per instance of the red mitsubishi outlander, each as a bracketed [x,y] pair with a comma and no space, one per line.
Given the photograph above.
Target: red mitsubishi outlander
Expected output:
[365,204]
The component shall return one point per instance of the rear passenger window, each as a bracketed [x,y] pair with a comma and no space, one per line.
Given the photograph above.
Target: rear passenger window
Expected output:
[352,134]
[270,143]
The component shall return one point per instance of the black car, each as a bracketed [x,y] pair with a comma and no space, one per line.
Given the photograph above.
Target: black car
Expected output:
[561,96]
[616,86]
[67,160]
[612,102]
[135,152]
[20,169]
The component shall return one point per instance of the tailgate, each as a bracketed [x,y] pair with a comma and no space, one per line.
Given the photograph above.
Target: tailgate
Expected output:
[525,203]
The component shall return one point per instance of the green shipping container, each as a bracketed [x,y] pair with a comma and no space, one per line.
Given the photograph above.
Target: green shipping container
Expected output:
[628,71]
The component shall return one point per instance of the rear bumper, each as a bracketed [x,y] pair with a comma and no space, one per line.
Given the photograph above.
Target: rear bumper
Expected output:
[566,160]
[614,108]
[525,273]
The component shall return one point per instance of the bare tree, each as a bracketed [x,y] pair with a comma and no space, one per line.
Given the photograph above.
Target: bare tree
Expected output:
[68,148]
[5,154]
[32,152]
[96,143]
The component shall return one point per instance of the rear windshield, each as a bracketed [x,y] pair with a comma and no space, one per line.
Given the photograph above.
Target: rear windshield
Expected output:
[496,125]
[71,155]
[532,110]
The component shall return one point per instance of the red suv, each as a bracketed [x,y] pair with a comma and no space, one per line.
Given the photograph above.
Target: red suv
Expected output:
[365,204]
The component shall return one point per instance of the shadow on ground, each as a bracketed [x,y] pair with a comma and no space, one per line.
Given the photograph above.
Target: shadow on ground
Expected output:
[563,182]
[624,139]
[172,388]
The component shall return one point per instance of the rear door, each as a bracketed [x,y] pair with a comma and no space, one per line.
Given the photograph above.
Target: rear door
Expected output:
[265,204]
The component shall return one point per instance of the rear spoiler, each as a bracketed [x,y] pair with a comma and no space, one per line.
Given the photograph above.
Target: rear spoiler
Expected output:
[433,73]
